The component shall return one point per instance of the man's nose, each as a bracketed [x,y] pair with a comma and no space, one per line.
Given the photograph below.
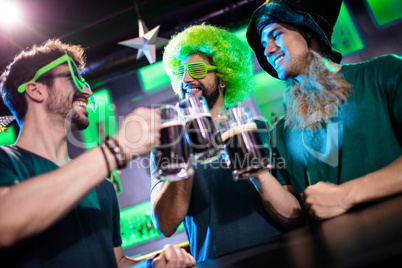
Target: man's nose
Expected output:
[187,77]
[271,48]
[87,91]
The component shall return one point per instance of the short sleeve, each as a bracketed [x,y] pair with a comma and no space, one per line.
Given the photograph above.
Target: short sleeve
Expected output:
[7,174]
[279,160]
[154,181]
[281,174]
[264,132]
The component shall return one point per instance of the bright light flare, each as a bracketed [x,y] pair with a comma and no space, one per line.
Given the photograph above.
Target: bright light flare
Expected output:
[9,13]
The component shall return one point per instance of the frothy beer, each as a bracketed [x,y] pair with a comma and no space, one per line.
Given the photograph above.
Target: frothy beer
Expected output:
[246,151]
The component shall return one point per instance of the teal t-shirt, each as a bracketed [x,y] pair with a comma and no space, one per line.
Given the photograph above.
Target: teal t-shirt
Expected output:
[85,237]
[364,135]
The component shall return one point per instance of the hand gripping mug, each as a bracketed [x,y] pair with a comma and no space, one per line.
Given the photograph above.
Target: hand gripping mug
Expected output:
[245,150]
[172,156]
[205,141]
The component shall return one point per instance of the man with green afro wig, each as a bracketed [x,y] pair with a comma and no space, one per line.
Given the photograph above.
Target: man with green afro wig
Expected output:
[232,58]
[220,215]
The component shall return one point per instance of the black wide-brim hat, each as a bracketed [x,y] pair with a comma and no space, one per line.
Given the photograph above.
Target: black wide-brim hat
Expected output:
[318,17]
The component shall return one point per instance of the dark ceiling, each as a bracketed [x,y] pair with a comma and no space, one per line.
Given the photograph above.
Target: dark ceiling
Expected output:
[99,25]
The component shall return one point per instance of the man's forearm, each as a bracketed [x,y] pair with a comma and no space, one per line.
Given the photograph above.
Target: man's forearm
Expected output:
[279,202]
[375,185]
[126,262]
[35,204]
[170,202]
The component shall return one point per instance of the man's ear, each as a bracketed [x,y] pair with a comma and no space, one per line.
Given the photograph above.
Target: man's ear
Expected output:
[313,43]
[222,84]
[35,91]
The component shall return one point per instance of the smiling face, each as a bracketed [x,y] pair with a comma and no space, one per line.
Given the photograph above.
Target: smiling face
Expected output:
[286,49]
[207,86]
[66,101]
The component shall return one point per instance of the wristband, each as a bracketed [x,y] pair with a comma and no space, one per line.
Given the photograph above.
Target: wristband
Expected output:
[117,152]
[150,261]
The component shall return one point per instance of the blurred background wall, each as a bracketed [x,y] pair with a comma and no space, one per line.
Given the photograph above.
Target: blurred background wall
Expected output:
[121,83]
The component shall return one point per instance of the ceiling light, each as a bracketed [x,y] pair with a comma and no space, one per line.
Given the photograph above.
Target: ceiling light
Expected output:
[9,13]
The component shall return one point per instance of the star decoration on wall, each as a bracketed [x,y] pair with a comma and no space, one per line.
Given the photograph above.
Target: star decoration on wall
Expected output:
[4,121]
[147,42]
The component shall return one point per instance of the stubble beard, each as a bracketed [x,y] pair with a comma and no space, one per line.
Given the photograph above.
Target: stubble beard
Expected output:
[211,95]
[58,107]
[78,122]
[313,101]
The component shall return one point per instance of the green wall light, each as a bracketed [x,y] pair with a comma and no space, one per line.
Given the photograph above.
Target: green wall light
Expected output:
[385,12]
[268,94]
[103,118]
[136,225]
[8,138]
[153,76]
[346,38]
[241,34]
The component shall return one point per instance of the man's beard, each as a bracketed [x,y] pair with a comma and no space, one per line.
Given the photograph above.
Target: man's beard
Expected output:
[77,122]
[212,96]
[313,101]
[59,107]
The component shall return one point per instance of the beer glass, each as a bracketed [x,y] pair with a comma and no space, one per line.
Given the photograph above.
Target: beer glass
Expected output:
[172,156]
[205,141]
[245,150]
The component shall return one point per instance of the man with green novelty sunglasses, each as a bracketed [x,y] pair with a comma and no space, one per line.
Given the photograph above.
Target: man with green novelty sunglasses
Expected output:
[75,75]
[55,212]
[197,70]
[218,212]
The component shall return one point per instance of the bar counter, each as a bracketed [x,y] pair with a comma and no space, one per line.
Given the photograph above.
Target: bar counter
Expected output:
[367,236]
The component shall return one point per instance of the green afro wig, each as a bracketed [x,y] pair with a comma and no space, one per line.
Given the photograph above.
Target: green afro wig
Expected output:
[231,56]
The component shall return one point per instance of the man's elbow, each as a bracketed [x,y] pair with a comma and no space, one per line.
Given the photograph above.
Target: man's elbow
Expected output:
[166,231]
[163,229]
[7,239]
[297,220]
[11,233]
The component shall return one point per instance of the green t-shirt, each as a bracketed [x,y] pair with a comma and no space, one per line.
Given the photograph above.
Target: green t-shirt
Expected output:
[85,237]
[363,136]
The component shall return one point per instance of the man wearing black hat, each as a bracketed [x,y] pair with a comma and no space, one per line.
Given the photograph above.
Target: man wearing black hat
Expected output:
[341,136]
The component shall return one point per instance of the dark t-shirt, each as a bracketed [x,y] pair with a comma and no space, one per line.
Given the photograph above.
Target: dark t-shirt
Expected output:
[224,215]
[85,237]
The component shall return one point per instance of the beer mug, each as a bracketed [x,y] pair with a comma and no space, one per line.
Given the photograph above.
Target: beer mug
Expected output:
[246,153]
[172,156]
[204,140]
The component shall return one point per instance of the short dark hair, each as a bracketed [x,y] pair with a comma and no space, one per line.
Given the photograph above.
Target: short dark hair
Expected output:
[26,64]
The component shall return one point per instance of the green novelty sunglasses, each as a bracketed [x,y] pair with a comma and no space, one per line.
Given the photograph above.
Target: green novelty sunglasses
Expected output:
[78,80]
[197,70]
